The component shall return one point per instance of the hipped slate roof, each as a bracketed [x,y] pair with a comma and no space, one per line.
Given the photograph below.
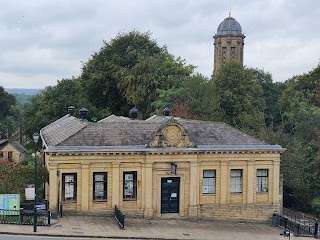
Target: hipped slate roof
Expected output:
[124,134]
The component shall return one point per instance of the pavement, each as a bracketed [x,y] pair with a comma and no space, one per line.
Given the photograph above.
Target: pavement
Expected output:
[138,228]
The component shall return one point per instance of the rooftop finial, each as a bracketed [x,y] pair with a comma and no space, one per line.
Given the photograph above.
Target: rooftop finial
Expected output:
[230,8]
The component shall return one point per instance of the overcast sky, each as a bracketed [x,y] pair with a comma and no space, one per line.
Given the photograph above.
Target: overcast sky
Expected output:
[42,41]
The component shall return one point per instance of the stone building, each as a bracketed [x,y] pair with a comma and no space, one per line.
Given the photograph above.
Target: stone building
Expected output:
[11,151]
[228,43]
[160,167]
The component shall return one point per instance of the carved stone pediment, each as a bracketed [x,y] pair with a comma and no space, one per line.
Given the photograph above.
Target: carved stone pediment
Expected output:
[171,134]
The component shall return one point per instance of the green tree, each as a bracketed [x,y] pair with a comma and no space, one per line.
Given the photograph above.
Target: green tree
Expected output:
[240,98]
[15,175]
[272,93]
[194,98]
[6,102]
[7,113]
[129,71]
[305,84]
[301,161]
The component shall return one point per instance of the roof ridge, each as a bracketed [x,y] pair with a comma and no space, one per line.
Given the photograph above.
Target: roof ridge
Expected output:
[59,119]
[112,115]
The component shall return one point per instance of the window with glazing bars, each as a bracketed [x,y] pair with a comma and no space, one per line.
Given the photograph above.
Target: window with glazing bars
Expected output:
[236,181]
[100,186]
[130,186]
[262,180]
[209,181]
[69,187]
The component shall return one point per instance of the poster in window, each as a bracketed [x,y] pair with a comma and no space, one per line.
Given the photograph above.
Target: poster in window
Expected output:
[128,177]
[205,189]
[69,178]
[68,192]
[128,190]
[99,177]
[99,189]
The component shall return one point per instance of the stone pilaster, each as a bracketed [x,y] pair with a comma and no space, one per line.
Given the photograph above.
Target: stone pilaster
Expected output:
[276,183]
[148,212]
[194,191]
[115,184]
[54,188]
[223,182]
[85,188]
[250,181]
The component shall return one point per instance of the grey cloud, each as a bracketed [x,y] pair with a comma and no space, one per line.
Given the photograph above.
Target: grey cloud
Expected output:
[43,41]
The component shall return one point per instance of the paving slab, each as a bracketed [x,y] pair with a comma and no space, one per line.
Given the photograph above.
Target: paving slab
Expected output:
[137,228]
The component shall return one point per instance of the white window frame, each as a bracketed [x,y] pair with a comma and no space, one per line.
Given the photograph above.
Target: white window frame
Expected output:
[69,187]
[130,186]
[236,181]
[209,181]
[100,186]
[262,184]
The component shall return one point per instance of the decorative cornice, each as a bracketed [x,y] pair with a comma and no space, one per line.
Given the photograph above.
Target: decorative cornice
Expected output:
[202,152]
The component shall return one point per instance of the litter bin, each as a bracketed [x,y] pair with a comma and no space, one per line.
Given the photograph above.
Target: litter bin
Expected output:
[275,219]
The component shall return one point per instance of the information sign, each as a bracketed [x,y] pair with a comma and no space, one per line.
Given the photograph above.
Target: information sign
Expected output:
[9,202]
[30,192]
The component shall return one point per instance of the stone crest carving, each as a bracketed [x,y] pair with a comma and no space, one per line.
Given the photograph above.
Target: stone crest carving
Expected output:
[171,134]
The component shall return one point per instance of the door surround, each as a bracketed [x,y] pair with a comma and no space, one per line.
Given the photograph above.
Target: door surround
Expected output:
[182,200]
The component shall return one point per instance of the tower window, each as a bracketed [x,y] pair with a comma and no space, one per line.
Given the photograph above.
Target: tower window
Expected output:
[233,53]
[224,54]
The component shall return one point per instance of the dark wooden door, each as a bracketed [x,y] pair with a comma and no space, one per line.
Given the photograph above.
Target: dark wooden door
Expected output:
[170,195]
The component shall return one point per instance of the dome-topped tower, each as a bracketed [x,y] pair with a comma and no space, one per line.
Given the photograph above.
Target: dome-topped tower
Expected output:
[229,26]
[228,43]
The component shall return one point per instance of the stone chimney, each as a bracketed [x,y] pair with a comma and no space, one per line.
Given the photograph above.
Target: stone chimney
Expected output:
[83,113]
[71,110]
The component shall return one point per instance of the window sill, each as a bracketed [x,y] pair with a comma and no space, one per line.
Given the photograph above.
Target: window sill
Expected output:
[208,194]
[236,193]
[262,192]
[102,200]
[74,201]
[129,200]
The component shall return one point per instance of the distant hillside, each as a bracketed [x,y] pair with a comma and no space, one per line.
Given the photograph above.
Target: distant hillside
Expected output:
[23,91]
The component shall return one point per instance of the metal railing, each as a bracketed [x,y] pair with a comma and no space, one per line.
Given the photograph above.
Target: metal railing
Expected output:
[24,217]
[119,216]
[299,226]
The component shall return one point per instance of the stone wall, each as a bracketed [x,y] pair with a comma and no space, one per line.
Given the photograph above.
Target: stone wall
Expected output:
[259,212]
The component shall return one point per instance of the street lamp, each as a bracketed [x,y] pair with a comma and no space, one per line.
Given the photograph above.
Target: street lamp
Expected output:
[35,139]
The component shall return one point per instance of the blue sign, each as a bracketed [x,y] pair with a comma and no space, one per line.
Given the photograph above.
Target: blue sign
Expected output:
[41,207]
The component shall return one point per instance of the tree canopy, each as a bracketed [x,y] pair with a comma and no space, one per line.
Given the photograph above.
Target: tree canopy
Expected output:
[15,175]
[128,71]
[7,112]
[240,97]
